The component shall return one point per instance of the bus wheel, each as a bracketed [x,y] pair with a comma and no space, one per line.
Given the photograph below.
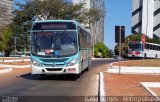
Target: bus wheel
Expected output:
[42,76]
[87,69]
[145,56]
[78,75]
[156,57]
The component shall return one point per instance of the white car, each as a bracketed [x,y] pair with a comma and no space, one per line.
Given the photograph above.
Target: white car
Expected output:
[1,55]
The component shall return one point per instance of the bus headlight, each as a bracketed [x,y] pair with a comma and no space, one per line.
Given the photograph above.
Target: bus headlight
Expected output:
[73,62]
[36,63]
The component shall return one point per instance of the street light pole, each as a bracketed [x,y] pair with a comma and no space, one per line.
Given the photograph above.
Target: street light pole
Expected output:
[15,44]
[120,44]
[119,49]
[93,45]
[119,38]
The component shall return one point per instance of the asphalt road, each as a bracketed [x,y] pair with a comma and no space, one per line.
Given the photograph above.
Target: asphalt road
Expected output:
[63,87]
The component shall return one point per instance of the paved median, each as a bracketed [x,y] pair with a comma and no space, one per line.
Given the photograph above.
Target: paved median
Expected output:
[8,65]
[135,67]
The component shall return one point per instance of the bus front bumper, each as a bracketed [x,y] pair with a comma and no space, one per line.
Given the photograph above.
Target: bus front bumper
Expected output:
[56,70]
[134,55]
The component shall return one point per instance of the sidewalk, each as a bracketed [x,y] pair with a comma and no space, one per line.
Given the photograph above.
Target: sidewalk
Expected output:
[132,83]
[153,88]
[5,70]
[15,60]
[115,68]
[7,65]
[127,84]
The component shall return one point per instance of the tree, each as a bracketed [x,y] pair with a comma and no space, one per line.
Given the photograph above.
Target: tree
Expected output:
[56,9]
[5,29]
[6,37]
[110,53]
[100,50]
[33,10]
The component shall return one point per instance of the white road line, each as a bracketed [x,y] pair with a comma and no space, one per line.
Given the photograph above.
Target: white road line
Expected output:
[146,85]
[102,91]
[5,70]
[16,66]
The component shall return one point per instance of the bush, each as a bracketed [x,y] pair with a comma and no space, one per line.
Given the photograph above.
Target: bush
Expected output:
[100,50]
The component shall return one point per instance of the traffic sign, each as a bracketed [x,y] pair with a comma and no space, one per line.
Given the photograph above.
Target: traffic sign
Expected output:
[143,38]
[119,34]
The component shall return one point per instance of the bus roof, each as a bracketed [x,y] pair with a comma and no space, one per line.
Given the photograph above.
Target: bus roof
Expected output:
[77,23]
[145,42]
[38,21]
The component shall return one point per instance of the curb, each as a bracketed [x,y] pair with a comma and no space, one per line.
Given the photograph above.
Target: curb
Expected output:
[143,84]
[6,70]
[99,58]
[133,70]
[101,91]
[17,60]
[16,66]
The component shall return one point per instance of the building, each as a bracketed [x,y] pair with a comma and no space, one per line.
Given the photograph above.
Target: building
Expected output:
[96,29]
[6,8]
[146,17]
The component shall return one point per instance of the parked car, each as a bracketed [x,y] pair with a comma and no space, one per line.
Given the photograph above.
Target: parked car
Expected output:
[1,55]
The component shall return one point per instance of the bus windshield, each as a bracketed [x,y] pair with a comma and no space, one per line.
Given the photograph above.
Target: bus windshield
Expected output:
[135,46]
[54,43]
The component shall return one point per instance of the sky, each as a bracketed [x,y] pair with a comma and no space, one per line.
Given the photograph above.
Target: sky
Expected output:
[117,12]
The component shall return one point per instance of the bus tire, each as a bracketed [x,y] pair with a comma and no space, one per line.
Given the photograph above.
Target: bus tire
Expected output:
[43,76]
[78,75]
[145,56]
[87,69]
[156,56]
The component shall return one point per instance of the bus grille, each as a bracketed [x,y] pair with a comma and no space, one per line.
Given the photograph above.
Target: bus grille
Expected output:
[54,65]
[53,69]
[54,60]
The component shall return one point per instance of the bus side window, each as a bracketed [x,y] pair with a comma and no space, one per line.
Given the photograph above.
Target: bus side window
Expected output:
[150,46]
[154,47]
[145,46]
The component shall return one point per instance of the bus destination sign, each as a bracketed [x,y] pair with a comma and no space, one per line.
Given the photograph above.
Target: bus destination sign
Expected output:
[54,26]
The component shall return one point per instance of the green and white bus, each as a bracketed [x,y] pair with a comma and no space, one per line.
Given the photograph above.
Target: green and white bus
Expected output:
[60,47]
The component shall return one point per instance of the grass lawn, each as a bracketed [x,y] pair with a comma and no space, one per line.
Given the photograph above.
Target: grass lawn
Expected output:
[139,63]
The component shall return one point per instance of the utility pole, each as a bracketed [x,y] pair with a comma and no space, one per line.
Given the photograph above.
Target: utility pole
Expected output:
[119,50]
[119,38]
[93,45]
[15,44]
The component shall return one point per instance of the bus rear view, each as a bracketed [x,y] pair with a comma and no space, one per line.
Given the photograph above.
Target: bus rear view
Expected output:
[55,48]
